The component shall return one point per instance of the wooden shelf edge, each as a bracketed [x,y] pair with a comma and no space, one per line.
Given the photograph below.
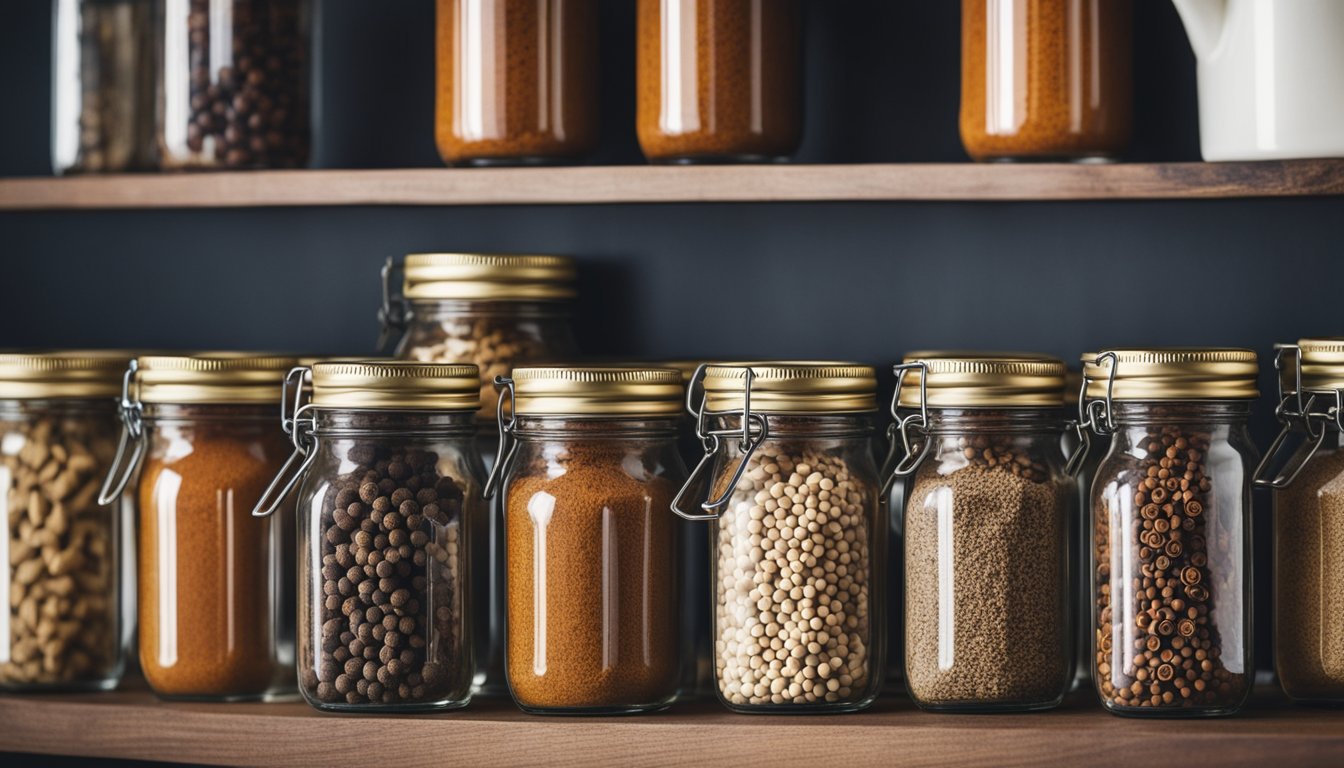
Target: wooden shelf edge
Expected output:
[664,184]
[133,725]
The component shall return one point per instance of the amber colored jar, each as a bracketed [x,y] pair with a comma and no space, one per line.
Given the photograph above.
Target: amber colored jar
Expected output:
[517,80]
[719,79]
[1045,79]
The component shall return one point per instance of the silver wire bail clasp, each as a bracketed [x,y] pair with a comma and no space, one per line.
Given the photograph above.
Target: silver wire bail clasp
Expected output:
[754,430]
[1094,416]
[301,426]
[1297,414]
[131,414]
[394,313]
[911,428]
[508,442]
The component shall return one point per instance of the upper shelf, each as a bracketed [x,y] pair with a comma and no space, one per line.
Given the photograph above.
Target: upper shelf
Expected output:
[688,184]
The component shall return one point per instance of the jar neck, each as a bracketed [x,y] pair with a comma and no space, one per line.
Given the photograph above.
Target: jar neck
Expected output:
[1007,420]
[1178,412]
[808,424]
[338,422]
[446,309]
[606,427]
[233,412]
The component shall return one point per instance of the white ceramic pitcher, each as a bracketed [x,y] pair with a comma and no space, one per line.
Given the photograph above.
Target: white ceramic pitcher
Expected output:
[1271,77]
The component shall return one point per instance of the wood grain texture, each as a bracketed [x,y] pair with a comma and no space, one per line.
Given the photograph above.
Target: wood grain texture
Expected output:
[134,725]
[664,184]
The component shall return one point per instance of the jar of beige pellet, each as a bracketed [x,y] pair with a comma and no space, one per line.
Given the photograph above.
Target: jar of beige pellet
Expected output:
[798,539]
[986,531]
[1309,523]
[64,627]
[496,311]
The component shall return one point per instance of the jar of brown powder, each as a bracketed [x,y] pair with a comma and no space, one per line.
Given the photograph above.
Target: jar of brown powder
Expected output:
[590,471]
[391,483]
[517,81]
[64,627]
[496,311]
[1309,523]
[798,539]
[216,585]
[986,531]
[1171,525]
[1045,80]
[719,80]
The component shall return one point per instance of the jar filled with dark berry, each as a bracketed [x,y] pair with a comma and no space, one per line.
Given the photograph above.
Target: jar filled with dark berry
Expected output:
[390,483]
[1171,528]
[233,84]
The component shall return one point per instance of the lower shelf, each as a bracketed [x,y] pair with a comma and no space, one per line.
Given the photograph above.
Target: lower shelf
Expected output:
[134,725]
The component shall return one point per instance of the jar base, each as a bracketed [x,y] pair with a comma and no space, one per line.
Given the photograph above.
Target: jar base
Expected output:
[633,709]
[1101,158]
[728,159]
[988,708]
[531,161]
[88,686]
[1172,713]
[379,709]
[230,698]
[820,708]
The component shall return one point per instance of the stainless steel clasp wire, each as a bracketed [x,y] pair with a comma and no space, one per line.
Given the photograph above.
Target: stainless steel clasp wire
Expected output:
[1304,418]
[1094,416]
[131,415]
[300,426]
[394,314]
[911,449]
[754,430]
[508,441]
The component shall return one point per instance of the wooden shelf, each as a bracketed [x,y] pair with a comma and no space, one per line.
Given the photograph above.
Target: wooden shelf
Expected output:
[133,725]
[667,184]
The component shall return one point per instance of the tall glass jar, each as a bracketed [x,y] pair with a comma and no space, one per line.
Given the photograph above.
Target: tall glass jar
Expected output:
[798,544]
[390,485]
[719,80]
[1309,523]
[1045,79]
[233,84]
[495,311]
[517,81]
[986,531]
[1171,523]
[591,472]
[216,585]
[102,86]
[63,625]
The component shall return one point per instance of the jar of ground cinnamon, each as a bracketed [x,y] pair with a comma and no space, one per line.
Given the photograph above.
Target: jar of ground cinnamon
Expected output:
[517,81]
[590,469]
[1045,79]
[215,584]
[798,535]
[719,80]
[391,485]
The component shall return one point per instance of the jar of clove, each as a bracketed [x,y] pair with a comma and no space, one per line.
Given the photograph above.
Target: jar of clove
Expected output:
[1171,527]
[986,531]
[391,484]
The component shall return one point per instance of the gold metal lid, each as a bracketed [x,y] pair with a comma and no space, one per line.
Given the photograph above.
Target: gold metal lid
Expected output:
[961,379]
[1173,373]
[212,377]
[597,391]
[1322,363]
[405,385]
[62,374]
[487,276]
[792,387]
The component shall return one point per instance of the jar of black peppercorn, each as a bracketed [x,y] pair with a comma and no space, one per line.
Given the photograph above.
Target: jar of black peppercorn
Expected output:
[233,86]
[390,486]
[1171,527]
[985,531]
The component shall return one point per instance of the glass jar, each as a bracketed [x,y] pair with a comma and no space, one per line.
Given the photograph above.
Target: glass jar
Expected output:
[102,94]
[216,585]
[986,531]
[233,84]
[390,484]
[1171,523]
[62,627]
[1045,80]
[719,79]
[495,311]
[517,81]
[1309,523]
[798,543]
[591,470]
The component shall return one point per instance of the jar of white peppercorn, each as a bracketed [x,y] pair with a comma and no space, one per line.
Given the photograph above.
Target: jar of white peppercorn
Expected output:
[1309,521]
[495,311]
[798,539]
[63,625]
[391,484]
[985,531]
[1171,529]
